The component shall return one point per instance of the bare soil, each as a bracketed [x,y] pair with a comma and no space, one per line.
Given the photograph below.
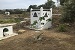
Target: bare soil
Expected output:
[51,40]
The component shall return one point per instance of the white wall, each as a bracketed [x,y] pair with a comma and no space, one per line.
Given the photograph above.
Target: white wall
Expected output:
[41,13]
[34,18]
[7,13]
[10,28]
[1,32]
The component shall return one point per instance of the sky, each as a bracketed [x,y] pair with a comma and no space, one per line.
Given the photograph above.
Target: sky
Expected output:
[13,4]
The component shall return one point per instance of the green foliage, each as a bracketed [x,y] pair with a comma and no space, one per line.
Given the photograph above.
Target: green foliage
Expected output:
[41,6]
[42,18]
[31,6]
[25,14]
[35,22]
[1,12]
[12,11]
[62,2]
[2,21]
[48,20]
[5,30]
[16,20]
[47,5]
[68,12]
[62,28]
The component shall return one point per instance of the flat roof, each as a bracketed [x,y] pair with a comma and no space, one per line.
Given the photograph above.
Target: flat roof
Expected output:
[39,10]
[5,25]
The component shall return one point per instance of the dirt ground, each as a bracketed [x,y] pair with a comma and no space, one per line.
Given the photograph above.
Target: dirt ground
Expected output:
[51,40]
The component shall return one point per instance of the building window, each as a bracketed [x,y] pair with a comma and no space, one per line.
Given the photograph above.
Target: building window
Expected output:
[45,15]
[35,15]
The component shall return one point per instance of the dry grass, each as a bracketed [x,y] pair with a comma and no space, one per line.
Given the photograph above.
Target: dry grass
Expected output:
[51,40]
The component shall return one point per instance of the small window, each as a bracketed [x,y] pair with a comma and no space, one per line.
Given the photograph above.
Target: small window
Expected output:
[45,15]
[35,15]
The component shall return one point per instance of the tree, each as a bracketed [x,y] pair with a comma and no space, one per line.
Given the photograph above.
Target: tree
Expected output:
[31,6]
[69,11]
[41,6]
[63,1]
[49,4]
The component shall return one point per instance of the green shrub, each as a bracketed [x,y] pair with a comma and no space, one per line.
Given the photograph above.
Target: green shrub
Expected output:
[2,21]
[41,18]
[16,20]
[68,15]
[62,28]
[35,22]
[48,20]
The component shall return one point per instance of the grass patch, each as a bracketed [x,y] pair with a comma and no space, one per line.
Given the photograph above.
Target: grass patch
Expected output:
[2,21]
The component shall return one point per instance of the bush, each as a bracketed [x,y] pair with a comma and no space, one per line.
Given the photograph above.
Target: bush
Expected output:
[62,28]
[48,20]
[41,18]
[35,22]
[68,14]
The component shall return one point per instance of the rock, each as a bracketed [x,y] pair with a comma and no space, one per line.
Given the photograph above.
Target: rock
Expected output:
[21,31]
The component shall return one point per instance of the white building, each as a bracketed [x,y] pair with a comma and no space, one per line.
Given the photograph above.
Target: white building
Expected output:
[6,30]
[7,13]
[42,17]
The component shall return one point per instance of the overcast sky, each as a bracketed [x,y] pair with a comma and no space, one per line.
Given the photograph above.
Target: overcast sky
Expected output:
[12,4]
